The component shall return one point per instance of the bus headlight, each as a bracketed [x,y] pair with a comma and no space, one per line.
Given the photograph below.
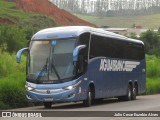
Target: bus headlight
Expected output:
[29,88]
[72,86]
[69,88]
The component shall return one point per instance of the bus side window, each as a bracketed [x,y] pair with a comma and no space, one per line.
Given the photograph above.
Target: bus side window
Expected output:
[98,47]
[135,52]
[83,55]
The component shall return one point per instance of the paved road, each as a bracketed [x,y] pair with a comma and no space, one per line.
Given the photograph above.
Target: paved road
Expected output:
[143,103]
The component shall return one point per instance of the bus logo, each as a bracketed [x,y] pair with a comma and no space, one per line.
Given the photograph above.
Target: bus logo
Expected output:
[117,65]
[48,91]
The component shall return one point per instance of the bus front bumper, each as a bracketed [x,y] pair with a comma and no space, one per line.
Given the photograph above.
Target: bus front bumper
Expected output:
[63,96]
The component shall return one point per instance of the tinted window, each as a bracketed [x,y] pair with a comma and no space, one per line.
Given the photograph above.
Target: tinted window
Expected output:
[97,47]
[84,40]
[135,51]
[109,47]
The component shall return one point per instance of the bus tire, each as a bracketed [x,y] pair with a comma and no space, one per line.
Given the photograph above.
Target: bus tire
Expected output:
[47,104]
[88,101]
[129,94]
[134,92]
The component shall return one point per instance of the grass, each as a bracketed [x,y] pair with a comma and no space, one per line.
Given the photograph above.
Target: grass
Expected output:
[8,9]
[6,4]
[148,21]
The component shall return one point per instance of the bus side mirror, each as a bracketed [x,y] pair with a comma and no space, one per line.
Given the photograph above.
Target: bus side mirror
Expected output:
[76,53]
[19,53]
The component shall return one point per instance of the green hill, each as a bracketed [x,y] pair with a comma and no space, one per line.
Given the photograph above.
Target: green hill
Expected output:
[23,19]
[149,21]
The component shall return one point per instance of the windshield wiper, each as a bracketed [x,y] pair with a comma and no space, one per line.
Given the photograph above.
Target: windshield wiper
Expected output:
[55,70]
[44,68]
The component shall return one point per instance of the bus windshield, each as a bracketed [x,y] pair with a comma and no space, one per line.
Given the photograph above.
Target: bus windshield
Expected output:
[51,60]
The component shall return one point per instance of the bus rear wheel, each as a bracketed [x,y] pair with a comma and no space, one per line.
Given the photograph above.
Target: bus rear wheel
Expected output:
[88,101]
[134,92]
[47,104]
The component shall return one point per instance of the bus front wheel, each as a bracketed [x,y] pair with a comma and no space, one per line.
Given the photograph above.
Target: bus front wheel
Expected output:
[47,104]
[88,101]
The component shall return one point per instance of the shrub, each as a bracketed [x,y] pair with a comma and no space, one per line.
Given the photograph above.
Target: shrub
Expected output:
[12,38]
[12,94]
[8,65]
[153,65]
[12,82]
[153,86]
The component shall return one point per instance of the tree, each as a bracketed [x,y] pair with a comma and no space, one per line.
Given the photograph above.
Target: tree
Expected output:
[151,41]
[12,38]
[133,35]
[118,7]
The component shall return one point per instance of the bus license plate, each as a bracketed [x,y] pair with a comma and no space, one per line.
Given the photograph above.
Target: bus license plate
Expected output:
[48,99]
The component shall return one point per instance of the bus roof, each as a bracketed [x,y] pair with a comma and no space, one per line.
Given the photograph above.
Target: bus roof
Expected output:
[75,31]
[61,32]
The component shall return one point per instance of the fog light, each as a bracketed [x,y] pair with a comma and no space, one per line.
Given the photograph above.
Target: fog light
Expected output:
[70,95]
